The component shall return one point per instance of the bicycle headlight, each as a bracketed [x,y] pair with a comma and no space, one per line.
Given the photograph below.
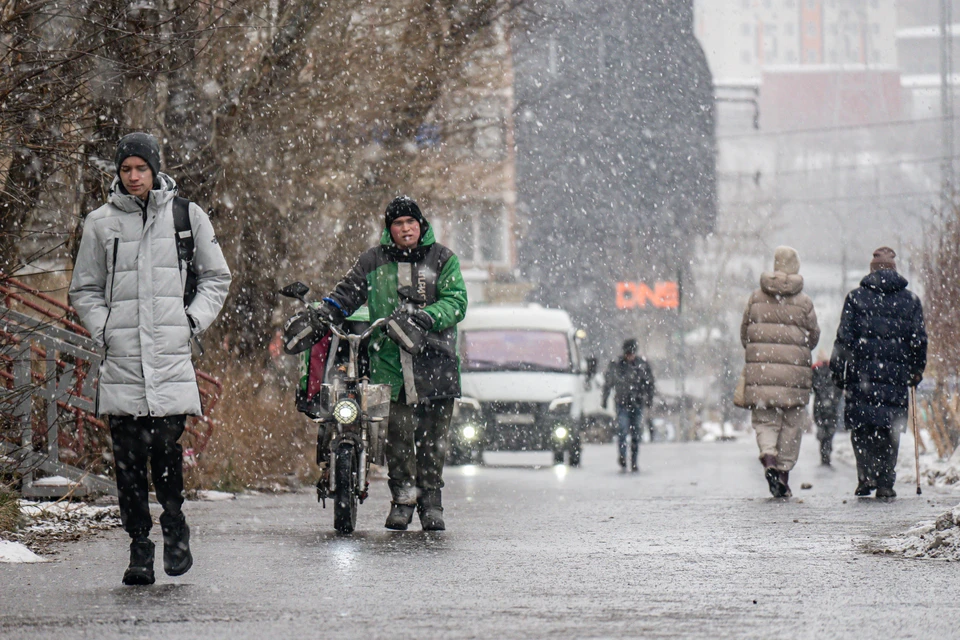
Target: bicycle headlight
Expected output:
[560,433]
[346,411]
[469,432]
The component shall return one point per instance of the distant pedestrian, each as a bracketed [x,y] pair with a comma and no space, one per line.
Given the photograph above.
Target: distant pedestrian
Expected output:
[778,331]
[632,379]
[130,289]
[880,351]
[827,397]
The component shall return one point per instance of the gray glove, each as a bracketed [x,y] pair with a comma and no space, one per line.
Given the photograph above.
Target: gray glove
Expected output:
[408,327]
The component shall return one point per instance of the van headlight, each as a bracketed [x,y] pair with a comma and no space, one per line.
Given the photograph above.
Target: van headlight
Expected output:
[560,404]
[469,432]
[346,411]
[561,433]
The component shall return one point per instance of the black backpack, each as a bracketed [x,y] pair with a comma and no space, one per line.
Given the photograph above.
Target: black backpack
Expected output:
[185,246]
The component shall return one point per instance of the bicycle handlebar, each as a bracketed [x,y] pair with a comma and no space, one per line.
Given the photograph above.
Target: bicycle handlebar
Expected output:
[343,335]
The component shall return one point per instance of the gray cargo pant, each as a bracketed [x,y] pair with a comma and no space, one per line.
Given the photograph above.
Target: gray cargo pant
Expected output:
[417,447]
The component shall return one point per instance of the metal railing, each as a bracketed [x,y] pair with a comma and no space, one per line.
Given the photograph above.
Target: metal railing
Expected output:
[48,371]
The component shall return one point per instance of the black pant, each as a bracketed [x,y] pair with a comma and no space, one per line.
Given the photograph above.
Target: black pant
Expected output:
[876,449]
[417,447]
[826,428]
[629,424]
[135,442]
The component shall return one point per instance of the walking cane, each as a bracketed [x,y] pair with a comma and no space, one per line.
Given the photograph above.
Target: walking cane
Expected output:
[916,435]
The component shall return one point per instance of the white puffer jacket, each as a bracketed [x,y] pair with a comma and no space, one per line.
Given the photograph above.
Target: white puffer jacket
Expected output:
[128,286]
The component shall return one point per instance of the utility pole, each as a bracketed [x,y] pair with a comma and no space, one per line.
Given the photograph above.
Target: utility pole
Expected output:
[946,99]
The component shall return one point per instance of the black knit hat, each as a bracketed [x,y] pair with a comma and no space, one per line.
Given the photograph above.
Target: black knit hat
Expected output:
[629,346]
[141,145]
[403,206]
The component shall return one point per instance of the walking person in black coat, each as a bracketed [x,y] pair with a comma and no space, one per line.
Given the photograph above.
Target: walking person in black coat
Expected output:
[880,351]
[632,379]
[826,407]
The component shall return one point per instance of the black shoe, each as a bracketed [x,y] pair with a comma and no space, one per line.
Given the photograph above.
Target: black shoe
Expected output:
[886,492]
[177,558]
[825,461]
[863,490]
[634,468]
[140,571]
[431,511]
[773,480]
[400,516]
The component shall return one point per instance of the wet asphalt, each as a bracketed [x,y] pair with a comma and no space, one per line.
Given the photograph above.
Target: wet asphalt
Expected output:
[690,547]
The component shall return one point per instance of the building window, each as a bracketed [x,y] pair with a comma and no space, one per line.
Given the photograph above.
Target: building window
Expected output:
[480,234]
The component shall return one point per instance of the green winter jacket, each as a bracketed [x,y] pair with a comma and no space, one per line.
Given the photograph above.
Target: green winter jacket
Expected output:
[437,279]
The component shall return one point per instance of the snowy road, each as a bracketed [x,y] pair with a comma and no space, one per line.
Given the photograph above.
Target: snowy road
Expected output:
[690,547]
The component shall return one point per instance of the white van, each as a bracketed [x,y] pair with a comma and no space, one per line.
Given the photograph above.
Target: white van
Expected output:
[524,383]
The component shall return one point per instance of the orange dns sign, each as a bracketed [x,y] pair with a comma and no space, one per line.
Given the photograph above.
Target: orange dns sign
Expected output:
[637,295]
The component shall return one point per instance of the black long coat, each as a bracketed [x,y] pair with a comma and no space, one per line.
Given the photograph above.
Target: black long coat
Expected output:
[881,349]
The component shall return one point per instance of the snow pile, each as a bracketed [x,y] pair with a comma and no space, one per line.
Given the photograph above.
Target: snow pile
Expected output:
[208,495]
[17,552]
[934,539]
[49,522]
[715,431]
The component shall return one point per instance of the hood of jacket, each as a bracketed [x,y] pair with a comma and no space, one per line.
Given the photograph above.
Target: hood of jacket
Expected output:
[884,281]
[781,284]
[129,203]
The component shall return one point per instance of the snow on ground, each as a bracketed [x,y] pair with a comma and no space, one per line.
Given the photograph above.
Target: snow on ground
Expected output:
[938,538]
[215,496]
[17,552]
[46,523]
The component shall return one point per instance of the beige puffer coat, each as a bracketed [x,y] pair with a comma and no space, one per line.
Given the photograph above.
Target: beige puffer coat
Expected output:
[779,330]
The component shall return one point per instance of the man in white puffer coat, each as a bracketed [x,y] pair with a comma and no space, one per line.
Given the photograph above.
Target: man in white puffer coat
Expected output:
[128,289]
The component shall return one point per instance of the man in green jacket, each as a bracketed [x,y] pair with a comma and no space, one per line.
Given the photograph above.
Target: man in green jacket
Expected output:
[416,283]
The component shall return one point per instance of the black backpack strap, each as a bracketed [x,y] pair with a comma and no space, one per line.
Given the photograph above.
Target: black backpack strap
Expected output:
[183,233]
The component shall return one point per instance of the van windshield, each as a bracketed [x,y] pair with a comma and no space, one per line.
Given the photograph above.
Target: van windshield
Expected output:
[514,350]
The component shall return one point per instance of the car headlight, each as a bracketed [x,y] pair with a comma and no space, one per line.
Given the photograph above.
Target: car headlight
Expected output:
[560,403]
[560,433]
[469,432]
[346,411]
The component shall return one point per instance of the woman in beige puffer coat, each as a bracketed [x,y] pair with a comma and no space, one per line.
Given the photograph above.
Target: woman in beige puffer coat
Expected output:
[778,331]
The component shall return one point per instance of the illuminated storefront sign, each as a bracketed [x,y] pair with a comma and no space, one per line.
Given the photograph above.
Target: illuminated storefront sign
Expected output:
[638,295]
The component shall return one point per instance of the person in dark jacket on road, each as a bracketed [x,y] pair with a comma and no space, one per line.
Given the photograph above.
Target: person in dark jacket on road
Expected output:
[826,407]
[880,351]
[631,378]
[416,283]
[128,289]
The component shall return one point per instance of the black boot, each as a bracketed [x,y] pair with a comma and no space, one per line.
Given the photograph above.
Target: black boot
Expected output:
[773,481]
[431,510]
[886,492]
[400,516]
[863,489]
[140,571]
[785,484]
[177,558]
